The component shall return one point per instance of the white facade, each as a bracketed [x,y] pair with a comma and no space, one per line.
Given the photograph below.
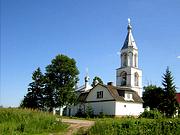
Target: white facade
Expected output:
[129,109]
[105,107]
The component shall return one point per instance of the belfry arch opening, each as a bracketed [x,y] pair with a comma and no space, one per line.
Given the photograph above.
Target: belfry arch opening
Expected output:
[136,79]
[135,60]
[124,59]
[123,76]
[131,59]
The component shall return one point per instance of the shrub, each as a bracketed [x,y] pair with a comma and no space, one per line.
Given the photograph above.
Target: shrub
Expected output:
[152,114]
[89,111]
[132,126]
[80,113]
[101,115]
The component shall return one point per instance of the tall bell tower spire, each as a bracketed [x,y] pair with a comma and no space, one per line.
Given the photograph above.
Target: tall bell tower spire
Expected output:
[129,41]
[129,75]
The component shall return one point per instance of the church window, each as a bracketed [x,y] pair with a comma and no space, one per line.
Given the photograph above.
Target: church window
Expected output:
[136,79]
[123,78]
[100,94]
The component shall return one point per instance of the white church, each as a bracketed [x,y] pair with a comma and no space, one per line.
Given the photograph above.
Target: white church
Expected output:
[124,99]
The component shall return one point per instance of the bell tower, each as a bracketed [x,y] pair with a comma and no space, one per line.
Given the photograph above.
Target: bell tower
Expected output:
[129,75]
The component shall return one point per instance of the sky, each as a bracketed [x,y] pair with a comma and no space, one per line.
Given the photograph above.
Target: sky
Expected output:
[92,32]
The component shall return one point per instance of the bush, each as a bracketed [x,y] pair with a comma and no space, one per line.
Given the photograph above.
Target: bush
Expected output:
[80,113]
[152,114]
[101,115]
[89,113]
[132,126]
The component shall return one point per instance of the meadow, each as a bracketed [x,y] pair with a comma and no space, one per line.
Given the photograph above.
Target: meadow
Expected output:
[28,122]
[135,126]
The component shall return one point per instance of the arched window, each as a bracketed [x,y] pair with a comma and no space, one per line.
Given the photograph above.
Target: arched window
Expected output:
[135,60]
[123,78]
[136,79]
[124,59]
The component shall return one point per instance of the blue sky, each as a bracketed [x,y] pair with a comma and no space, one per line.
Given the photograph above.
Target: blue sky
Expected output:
[33,32]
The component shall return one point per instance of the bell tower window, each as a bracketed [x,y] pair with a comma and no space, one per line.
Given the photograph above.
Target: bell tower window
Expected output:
[136,79]
[131,59]
[135,60]
[123,78]
[124,60]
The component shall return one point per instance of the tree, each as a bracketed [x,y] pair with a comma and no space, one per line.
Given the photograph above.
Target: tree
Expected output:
[169,104]
[96,78]
[61,77]
[152,96]
[34,97]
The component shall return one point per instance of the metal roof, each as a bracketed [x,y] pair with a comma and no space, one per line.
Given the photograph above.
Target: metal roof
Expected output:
[129,41]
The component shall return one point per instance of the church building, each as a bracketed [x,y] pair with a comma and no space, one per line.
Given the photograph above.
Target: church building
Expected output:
[123,99]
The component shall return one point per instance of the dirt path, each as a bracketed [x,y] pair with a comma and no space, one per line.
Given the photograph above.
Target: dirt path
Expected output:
[77,124]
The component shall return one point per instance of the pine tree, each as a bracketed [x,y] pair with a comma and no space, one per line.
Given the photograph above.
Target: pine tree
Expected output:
[34,97]
[169,105]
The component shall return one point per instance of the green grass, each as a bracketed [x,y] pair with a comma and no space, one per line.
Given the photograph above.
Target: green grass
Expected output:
[27,122]
[132,126]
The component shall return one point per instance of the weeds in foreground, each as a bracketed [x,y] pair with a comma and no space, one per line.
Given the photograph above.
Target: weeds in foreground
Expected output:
[26,121]
[132,126]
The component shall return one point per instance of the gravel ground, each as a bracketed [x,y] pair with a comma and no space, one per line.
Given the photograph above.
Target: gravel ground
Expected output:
[76,124]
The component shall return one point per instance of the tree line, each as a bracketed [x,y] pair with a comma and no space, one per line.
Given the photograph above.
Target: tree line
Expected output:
[56,87]
[162,98]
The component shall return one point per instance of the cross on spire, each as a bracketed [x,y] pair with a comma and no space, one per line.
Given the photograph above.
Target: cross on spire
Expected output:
[129,20]
[129,25]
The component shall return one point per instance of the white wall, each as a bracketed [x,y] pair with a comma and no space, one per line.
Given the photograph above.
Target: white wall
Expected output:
[125,108]
[108,108]
[72,110]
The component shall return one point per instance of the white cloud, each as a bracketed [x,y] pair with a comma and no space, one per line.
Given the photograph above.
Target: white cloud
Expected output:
[178,57]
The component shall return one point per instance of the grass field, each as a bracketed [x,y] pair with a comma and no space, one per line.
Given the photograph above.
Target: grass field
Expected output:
[132,126]
[28,122]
